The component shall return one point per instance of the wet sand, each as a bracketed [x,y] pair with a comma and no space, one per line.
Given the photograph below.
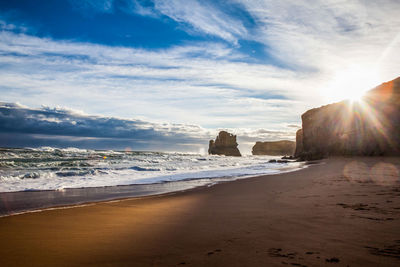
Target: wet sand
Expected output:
[343,212]
[27,201]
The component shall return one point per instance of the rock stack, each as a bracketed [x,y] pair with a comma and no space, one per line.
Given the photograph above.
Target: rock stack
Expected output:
[224,144]
[277,148]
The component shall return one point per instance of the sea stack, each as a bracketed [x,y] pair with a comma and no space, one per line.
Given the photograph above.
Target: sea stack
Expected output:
[277,148]
[224,144]
[369,127]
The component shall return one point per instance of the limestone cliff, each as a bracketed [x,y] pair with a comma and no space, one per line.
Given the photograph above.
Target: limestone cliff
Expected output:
[299,143]
[277,148]
[224,144]
[368,127]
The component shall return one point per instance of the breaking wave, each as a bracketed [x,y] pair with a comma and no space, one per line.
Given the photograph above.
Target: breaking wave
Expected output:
[49,168]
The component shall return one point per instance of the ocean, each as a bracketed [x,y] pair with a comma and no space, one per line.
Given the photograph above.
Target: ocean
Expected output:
[49,168]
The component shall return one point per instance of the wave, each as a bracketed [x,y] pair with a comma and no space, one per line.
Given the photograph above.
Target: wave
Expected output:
[49,168]
[141,169]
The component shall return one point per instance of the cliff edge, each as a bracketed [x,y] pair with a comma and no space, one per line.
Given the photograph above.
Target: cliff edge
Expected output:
[369,127]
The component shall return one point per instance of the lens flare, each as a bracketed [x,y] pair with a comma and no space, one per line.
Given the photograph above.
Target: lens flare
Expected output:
[351,83]
[356,172]
[384,174]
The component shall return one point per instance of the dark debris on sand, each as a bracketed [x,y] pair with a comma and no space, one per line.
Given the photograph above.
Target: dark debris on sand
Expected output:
[332,260]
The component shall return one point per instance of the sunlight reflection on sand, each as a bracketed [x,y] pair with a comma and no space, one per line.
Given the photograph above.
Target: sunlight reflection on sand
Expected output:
[384,174]
[381,173]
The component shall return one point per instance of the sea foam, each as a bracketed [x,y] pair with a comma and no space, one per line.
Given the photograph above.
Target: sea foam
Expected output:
[49,168]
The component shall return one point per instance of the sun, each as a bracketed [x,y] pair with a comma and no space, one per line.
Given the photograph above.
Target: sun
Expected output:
[351,84]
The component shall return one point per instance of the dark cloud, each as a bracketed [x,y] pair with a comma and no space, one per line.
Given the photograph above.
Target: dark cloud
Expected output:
[22,126]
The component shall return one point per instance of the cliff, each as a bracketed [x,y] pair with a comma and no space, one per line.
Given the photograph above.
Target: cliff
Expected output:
[277,148]
[299,143]
[224,144]
[368,127]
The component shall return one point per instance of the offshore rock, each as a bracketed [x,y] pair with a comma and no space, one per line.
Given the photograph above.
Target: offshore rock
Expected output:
[224,144]
[277,148]
[370,127]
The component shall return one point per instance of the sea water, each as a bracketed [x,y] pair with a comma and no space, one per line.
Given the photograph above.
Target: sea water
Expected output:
[48,168]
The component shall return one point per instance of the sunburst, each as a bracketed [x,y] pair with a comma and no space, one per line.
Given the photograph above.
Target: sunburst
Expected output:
[351,83]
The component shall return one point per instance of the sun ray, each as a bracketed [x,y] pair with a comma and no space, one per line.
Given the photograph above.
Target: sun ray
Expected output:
[351,83]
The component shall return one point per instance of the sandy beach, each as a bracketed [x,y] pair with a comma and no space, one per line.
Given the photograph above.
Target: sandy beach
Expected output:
[340,212]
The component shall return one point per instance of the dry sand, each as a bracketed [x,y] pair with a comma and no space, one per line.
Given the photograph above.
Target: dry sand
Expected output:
[343,212]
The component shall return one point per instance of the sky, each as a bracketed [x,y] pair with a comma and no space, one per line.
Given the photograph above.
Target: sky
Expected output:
[168,75]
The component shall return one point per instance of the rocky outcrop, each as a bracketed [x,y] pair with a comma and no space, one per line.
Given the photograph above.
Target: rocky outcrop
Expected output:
[299,143]
[368,127]
[277,148]
[224,144]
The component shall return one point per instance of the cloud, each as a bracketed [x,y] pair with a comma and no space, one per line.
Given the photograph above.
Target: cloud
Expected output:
[143,8]
[86,7]
[210,83]
[203,17]
[317,37]
[325,35]
[73,128]
[195,17]
[21,126]
[209,79]
[294,126]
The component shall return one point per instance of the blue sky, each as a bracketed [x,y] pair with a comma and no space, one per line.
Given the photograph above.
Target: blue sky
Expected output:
[251,67]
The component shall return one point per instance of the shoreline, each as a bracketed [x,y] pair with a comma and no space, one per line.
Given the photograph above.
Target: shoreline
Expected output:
[20,202]
[111,200]
[329,214]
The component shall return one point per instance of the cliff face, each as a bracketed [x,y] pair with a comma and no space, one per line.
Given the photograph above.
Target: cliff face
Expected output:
[299,143]
[224,144]
[277,148]
[369,127]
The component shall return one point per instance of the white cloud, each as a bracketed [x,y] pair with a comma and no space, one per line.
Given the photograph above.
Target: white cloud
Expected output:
[210,83]
[197,17]
[203,17]
[160,85]
[327,36]
[137,7]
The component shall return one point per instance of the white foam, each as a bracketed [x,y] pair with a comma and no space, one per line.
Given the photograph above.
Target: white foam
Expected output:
[76,168]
